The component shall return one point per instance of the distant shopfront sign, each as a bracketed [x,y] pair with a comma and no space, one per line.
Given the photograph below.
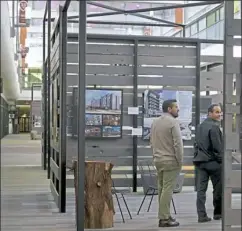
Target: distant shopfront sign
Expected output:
[148,31]
[23,4]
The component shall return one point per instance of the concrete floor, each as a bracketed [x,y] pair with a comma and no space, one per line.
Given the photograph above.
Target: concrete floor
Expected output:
[27,204]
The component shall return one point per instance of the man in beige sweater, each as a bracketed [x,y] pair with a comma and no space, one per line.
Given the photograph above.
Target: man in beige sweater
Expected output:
[167,146]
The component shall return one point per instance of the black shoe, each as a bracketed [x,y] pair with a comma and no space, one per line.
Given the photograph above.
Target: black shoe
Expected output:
[204,219]
[172,219]
[168,223]
[217,217]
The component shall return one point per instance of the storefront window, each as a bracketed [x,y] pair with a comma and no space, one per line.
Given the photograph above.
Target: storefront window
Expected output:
[221,13]
[188,31]
[211,19]
[38,5]
[236,6]
[194,29]
[202,24]
[217,16]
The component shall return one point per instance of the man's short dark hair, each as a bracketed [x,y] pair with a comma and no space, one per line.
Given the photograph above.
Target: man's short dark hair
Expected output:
[168,103]
[212,106]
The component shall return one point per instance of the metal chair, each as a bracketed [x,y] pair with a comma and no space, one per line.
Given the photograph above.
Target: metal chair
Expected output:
[115,192]
[149,182]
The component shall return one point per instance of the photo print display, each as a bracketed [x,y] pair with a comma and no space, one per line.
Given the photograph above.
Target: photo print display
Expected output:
[93,119]
[103,113]
[111,120]
[152,108]
[111,131]
[93,131]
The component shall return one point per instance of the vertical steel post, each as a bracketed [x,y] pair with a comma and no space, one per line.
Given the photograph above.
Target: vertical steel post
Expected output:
[31,110]
[227,221]
[17,28]
[197,100]
[207,92]
[184,32]
[13,19]
[63,117]
[135,117]
[16,22]
[44,95]
[48,87]
[1,88]
[81,114]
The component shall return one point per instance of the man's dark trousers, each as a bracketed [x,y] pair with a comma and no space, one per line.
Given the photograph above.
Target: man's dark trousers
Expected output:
[206,170]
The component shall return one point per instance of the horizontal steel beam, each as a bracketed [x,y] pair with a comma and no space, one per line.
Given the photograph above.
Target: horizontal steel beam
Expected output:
[52,19]
[135,14]
[124,23]
[73,17]
[74,37]
[175,6]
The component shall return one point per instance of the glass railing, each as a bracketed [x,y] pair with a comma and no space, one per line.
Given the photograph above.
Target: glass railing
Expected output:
[214,32]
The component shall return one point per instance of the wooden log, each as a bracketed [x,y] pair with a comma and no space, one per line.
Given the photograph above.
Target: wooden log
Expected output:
[99,208]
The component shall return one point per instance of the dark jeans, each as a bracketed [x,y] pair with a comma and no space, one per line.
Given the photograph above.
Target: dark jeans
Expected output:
[212,170]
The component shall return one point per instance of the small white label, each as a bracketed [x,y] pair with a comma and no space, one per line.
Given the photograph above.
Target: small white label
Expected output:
[133,111]
[137,132]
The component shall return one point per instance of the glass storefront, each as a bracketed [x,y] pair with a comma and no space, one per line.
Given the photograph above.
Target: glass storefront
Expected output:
[4,118]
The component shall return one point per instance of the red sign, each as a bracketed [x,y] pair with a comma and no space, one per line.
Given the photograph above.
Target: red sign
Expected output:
[22,16]
[23,4]
[147,31]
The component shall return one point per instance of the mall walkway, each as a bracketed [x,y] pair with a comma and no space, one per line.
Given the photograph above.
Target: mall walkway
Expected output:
[26,202]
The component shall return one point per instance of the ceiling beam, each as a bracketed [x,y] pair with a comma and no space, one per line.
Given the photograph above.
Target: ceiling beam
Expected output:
[124,23]
[175,6]
[135,14]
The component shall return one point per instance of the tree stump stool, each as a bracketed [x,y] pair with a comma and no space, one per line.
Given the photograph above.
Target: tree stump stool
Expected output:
[98,200]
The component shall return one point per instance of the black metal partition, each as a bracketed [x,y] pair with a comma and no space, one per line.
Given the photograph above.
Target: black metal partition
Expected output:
[232,97]
[134,58]
[154,55]
[45,157]
[58,111]
[132,63]
[4,115]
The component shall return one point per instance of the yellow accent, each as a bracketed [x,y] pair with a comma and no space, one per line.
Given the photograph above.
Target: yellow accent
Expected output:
[188,168]
[190,175]
[23,106]
[236,6]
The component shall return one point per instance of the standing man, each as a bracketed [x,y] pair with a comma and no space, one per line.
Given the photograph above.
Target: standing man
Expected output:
[208,159]
[167,146]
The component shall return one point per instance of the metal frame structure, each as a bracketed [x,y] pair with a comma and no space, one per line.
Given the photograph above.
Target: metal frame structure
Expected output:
[231,106]
[54,154]
[82,83]
[46,90]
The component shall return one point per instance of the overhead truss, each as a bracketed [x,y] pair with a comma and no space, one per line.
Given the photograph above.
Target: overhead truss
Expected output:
[154,21]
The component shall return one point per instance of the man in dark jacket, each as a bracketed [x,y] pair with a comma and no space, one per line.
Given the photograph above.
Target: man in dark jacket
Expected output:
[207,159]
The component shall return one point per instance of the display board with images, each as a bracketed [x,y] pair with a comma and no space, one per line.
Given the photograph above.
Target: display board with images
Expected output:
[152,108]
[103,113]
